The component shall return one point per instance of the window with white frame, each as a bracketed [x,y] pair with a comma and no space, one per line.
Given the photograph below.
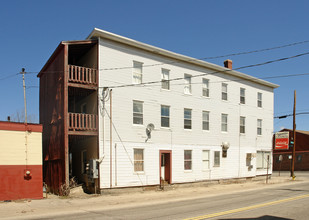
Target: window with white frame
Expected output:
[259,127]
[137,112]
[242,125]
[138,160]
[263,159]
[224,118]
[206,87]
[206,120]
[216,158]
[188,159]
[165,116]
[242,96]
[165,77]
[224,91]
[137,72]
[259,100]
[205,159]
[187,118]
[188,86]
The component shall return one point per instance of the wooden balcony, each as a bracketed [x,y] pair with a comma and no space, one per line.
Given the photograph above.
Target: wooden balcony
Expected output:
[82,75]
[83,124]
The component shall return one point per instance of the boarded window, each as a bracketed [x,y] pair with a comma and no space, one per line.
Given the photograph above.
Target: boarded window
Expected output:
[138,160]
[205,158]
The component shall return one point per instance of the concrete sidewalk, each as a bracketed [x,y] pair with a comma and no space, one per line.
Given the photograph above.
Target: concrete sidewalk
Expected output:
[79,202]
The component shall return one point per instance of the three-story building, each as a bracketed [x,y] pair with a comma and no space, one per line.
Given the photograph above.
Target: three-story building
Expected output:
[146,115]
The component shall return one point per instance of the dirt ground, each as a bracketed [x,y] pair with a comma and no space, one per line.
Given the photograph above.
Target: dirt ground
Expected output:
[78,201]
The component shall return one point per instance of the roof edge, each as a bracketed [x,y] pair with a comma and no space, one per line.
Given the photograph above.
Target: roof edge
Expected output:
[96,33]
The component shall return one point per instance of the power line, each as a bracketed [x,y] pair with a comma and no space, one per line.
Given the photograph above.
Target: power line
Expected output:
[215,72]
[195,59]
[285,116]
[9,76]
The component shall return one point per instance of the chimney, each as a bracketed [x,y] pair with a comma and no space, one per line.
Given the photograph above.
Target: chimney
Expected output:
[228,64]
[9,118]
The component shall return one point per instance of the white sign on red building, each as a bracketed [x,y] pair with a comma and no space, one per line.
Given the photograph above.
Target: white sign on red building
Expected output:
[282,140]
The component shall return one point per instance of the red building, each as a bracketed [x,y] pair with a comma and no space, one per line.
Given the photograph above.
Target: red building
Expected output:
[20,161]
[301,153]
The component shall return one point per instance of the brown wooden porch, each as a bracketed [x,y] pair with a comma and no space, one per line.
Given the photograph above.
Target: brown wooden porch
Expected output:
[83,124]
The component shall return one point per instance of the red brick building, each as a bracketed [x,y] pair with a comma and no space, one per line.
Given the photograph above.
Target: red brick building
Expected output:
[301,153]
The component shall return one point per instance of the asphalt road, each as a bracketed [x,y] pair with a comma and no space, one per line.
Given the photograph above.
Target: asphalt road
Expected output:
[281,202]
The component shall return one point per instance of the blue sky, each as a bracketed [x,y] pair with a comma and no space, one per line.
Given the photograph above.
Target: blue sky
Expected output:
[31,30]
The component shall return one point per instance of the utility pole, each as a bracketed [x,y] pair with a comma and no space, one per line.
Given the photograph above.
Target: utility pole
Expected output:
[294,137]
[26,132]
[24,85]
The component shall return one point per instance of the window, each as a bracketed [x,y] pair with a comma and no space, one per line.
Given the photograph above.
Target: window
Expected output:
[165,77]
[259,99]
[187,118]
[188,159]
[224,91]
[205,87]
[217,158]
[224,122]
[137,72]
[242,125]
[259,127]
[138,160]
[205,120]
[242,95]
[205,158]
[137,112]
[262,158]
[187,88]
[165,116]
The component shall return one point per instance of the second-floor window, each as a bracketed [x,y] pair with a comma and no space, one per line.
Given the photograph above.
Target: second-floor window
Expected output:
[242,95]
[187,87]
[242,125]
[206,120]
[224,92]
[259,127]
[165,116]
[259,99]
[224,122]
[137,72]
[137,112]
[205,87]
[165,77]
[187,118]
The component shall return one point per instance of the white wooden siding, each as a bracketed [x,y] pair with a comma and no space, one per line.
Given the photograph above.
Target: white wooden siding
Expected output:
[176,138]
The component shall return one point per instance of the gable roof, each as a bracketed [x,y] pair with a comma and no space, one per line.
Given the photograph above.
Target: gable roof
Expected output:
[98,33]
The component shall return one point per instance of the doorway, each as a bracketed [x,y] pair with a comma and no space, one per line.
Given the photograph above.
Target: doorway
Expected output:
[166,166]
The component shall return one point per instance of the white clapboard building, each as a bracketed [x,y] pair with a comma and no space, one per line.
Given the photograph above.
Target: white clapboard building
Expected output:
[174,118]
